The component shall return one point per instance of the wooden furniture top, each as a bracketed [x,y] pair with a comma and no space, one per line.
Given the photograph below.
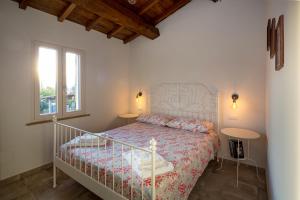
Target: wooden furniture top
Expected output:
[129,116]
[240,133]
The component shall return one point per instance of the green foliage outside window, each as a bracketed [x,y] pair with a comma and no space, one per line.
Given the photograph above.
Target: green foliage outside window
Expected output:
[48,91]
[47,98]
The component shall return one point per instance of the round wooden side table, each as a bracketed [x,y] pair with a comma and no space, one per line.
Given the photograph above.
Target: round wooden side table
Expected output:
[128,116]
[241,134]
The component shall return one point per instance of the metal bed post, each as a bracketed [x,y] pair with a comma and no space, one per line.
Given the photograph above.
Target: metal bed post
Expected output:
[54,119]
[153,149]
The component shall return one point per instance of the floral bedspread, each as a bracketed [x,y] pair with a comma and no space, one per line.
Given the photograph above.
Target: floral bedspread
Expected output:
[189,153]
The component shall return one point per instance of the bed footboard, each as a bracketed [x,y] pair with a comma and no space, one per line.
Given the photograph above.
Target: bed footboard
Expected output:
[80,168]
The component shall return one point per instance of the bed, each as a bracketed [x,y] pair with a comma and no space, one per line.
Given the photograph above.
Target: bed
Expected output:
[103,169]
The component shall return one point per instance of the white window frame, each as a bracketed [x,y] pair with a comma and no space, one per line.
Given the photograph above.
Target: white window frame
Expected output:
[81,86]
[61,82]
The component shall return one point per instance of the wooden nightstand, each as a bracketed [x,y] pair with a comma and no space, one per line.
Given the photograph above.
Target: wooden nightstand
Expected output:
[240,134]
[128,116]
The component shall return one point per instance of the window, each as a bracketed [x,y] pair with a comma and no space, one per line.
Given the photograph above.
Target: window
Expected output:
[59,83]
[72,82]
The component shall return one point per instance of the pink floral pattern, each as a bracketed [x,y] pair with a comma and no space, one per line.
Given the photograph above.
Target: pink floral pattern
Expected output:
[157,119]
[191,124]
[189,153]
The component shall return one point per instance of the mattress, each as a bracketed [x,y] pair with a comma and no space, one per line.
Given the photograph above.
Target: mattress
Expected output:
[189,153]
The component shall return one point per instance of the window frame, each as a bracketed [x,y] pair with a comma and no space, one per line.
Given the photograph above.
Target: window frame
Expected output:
[81,85]
[60,84]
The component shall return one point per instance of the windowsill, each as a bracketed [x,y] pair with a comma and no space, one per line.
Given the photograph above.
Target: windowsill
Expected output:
[58,119]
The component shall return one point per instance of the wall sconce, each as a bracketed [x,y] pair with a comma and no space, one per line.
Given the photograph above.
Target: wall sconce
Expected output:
[138,95]
[234,99]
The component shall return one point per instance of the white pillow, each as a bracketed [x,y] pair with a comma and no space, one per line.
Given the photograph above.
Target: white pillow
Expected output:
[158,119]
[191,124]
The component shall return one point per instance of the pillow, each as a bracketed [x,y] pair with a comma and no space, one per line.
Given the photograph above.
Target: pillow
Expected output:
[158,119]
[190,124]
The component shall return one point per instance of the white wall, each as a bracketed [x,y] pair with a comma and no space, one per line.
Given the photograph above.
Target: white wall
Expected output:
[21,147]
[282,105]
[219,44]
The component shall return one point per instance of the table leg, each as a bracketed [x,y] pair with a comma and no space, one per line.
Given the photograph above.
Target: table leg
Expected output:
[252,160]
[221,166]
[248,153]
[222,159]
[238,164]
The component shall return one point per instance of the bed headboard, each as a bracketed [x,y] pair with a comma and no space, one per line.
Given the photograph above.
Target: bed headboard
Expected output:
[186,99]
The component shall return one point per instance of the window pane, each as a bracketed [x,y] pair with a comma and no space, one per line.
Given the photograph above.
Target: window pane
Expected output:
[47,70]
[72,82]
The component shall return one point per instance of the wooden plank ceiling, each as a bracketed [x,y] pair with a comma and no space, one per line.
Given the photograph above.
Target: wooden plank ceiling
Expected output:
[115,18]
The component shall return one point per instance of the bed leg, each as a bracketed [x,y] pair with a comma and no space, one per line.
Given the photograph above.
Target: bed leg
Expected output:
[54,150]
[54,175]
[153,149]
[216,157]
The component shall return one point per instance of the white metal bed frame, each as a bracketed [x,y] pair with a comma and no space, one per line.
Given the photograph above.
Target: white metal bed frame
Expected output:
[179,99]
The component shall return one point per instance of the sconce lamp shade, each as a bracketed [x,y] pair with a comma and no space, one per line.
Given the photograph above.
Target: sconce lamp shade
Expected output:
[234,99]
[138,95]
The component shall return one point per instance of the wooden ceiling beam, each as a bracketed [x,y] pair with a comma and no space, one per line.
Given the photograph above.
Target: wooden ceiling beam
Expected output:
[171,10]
[66,12]
[92,24]
[23,4]
[115,12]
[168,12]
[114,31]
[144,9]
[148,6]
[130,38]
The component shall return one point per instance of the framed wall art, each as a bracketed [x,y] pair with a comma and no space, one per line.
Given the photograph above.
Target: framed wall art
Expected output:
[272,38]
[269,34]
[279,57]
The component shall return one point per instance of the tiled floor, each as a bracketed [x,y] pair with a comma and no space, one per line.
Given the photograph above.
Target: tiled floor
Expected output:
[221,184]
[212,185]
